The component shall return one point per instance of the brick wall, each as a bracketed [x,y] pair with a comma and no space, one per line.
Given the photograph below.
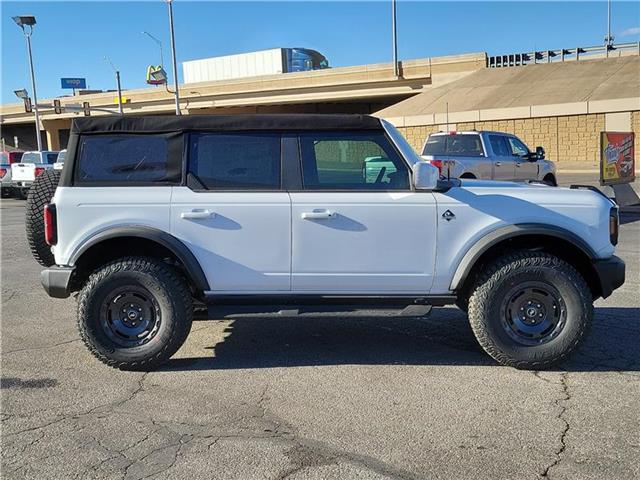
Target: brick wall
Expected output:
[635,125]
[566,139]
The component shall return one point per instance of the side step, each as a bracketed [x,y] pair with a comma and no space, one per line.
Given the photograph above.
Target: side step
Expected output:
[230,311]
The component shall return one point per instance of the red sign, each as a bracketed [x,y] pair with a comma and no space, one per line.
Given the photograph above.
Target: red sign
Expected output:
[617,158]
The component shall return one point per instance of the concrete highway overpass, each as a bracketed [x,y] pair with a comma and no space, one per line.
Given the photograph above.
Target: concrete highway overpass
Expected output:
[357,89]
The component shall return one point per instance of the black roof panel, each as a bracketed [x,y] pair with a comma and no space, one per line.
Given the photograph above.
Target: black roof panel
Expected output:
[173,123]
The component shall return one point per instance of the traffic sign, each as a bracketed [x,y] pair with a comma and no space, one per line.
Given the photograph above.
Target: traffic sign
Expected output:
[73,83]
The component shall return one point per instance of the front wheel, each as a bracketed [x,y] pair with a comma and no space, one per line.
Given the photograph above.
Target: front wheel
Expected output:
[134,313]
[530,310]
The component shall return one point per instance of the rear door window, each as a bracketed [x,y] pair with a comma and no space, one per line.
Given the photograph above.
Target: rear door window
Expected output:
[122,159]
[234,161]
[454,145]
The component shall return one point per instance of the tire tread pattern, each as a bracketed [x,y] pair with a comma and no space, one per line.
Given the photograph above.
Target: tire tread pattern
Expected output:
[40,193]
[491,278]
[180,297]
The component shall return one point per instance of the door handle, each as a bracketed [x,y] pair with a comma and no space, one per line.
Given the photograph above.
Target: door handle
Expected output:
[317,215]
[498,164]
[518,164]
[196,214]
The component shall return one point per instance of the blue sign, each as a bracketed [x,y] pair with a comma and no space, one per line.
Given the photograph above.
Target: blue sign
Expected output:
[73,82]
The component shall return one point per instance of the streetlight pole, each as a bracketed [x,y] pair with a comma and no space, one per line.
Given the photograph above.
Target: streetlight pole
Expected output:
[173,55]
[159,43]
[29,22]
[609,40]
[394,33]
[120,109]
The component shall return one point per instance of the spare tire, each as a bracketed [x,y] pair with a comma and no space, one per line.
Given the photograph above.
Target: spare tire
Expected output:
[40,194]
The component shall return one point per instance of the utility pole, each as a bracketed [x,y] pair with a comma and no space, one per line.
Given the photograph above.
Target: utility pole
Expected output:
[173,54]
[395,39]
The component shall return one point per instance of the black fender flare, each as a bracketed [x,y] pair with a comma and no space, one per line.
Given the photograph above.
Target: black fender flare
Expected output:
[512,231]
[171,243]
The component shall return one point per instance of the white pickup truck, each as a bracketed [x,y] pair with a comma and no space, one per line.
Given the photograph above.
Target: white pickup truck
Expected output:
[31,165]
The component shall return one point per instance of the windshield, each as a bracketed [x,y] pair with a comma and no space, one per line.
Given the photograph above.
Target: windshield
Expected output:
[31,157]
[407,150]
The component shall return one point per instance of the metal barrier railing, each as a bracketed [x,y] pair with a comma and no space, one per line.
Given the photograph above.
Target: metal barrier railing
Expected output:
[564,54]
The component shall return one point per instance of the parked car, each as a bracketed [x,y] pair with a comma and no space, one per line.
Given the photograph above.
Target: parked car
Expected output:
[6,160]
[487,155]
[30,166]
[261,211]
[60,160]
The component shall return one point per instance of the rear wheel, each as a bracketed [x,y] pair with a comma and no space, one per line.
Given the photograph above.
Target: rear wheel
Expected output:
[40,194]
[530,310]
[134,313]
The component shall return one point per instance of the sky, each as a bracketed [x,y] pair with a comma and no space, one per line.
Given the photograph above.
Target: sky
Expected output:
[71,39]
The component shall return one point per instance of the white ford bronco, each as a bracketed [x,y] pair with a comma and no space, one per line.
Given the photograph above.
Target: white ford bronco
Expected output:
[152,215]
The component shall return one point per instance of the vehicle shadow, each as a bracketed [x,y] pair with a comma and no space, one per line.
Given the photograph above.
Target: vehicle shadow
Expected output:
[445,338]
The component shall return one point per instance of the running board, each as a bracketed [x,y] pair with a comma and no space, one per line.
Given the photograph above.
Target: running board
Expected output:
[274,310]
[302,300]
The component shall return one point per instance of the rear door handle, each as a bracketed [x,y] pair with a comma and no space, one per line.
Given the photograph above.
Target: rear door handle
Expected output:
[197,213]
[317,215]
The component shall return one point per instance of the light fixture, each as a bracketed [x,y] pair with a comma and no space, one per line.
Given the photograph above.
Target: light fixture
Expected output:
[25,20]
[22,93]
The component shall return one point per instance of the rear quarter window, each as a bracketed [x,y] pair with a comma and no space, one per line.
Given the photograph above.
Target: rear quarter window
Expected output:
[121,159]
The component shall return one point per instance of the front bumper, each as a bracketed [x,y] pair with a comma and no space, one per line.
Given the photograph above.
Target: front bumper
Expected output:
[610,274]
[57,281]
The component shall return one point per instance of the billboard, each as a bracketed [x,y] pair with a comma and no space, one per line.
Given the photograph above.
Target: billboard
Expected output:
[73,82]
[617,158]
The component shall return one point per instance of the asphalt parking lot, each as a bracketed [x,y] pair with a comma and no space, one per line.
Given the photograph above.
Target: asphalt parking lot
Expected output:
[329,397]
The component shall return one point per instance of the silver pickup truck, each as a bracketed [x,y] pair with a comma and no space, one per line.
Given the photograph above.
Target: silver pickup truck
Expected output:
[487,155]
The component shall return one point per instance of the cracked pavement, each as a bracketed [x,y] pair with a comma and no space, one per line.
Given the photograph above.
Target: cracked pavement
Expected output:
[313,398]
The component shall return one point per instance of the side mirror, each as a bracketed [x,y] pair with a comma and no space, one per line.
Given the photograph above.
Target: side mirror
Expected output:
[540,153]
[425,176]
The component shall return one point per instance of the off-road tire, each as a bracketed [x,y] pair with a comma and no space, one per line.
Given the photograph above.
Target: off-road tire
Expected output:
[40,194]
[169,291]
[491,289]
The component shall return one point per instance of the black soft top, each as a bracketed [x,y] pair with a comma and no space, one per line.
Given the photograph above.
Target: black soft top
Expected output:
[173,123]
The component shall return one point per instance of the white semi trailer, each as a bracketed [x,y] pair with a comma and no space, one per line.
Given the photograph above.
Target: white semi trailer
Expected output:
[253,64]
